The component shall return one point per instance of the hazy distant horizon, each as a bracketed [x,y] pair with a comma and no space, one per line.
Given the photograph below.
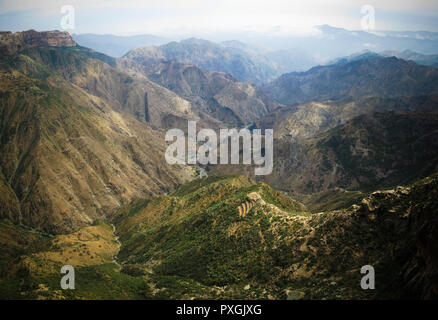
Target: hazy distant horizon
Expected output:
[201,18]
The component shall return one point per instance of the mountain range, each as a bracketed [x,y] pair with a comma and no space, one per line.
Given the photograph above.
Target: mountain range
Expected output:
[84,181]
[368,76]
[236,60]
[117,46]
[427,60]
[318,46]
[423,59]
[75,141]
[248,241]
[214,94]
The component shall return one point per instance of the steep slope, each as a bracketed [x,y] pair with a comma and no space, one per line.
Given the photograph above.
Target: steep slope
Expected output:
[424,59]
[214,231]
[241,62]
[144,99]
[70,158]
[273,250]
[306,120]
[367,152]
[71,151]
[369,77]
[243,241]
[364,54]
[11,43]
[214,95]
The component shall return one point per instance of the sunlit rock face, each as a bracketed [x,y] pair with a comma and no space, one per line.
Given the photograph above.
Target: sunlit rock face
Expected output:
[12,42]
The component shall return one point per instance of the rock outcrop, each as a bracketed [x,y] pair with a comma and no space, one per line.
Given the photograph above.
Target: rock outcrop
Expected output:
[10,42]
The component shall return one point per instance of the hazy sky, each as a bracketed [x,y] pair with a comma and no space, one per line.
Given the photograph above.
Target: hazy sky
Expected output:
[197,17]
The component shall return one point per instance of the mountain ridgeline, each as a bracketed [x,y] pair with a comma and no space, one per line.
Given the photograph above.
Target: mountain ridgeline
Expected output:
[229,237]
[84,181]
[243,62]
[217,97]
[74,139]
[373,76]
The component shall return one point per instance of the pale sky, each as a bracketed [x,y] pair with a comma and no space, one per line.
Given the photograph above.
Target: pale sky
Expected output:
[194,17]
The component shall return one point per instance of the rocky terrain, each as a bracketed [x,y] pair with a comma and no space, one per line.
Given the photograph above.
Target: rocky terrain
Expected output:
[83,180]
[214,95]
[367,152]
[373,76]
[13,42]
[232,57]
[75,143]
[195,243]
[302,121]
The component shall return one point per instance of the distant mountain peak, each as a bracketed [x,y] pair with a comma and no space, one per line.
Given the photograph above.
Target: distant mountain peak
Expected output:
[361,55]
[197,41]
[365,75]
[328,28]
[234,44]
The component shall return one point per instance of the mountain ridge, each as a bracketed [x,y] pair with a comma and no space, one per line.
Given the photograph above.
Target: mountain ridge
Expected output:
[195,244]
[368,77]
[213,94]
[74,148]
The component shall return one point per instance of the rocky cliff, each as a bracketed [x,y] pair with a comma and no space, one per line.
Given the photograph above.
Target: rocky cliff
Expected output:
[12,42]
[215,95]
[74,141]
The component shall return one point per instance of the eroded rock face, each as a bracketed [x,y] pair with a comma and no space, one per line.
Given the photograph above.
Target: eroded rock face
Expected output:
[13,42]
[49,38]
[216,95]
[90,93]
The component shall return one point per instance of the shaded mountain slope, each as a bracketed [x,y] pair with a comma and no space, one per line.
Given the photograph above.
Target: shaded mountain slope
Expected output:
[367,152]
[238,61]
[80,149]
[146,100]
[194,243]
[214,95]
[70,158]
[424,59]
[306,120]
[369,77]
[287,253]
